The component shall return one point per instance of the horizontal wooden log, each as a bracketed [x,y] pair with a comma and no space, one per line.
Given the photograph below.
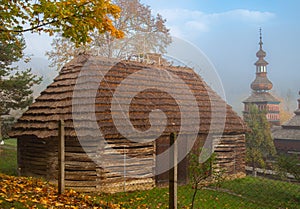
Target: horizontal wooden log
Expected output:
[80,149]
[80,157]
[81,183]
[128,162]
[80,177]
[33,151]
[37,163]
[83,143]
[117,181]
[80,166]
[27,162]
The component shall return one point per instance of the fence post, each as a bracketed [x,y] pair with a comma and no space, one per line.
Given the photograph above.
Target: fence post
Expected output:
[173,173]
[1,130]
[61,157]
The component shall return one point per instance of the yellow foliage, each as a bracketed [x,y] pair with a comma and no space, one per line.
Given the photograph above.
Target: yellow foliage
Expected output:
[24,190]
[74,19]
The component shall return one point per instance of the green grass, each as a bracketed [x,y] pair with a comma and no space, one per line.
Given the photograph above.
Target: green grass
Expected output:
[158,198]
[243,193]
[8,157]
[246,193]
[266,192]
[11,142]
[19,205]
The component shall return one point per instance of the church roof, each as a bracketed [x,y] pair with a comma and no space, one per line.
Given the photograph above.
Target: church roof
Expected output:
[261,62]
[261,82]
[290,129]
[261,53]
[261,97]
[56,102]
[286,134]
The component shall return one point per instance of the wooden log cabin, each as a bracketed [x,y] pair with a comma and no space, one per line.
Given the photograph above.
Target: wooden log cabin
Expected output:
[117,163]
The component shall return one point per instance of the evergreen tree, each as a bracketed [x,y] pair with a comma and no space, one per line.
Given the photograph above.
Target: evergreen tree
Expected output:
[259,142]
[15,85]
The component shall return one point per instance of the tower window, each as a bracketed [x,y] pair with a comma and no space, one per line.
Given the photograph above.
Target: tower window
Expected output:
[261,69]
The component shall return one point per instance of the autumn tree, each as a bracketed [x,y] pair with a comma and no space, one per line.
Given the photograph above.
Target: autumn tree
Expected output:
[143,33]
[259,142]
[73,19]
[285,112]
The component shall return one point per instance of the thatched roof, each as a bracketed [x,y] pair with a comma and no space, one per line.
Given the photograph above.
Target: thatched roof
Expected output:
[57,101]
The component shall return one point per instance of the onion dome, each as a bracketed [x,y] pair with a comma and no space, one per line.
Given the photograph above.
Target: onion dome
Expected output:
[261,83]
[261,54]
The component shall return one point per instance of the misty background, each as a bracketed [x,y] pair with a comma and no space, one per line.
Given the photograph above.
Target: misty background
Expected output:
[228,34]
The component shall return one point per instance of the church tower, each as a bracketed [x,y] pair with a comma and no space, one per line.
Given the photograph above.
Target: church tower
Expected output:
[261,86]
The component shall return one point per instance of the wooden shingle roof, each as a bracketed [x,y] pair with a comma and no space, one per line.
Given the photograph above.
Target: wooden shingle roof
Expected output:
[261,97]
[290,130]
[57,100]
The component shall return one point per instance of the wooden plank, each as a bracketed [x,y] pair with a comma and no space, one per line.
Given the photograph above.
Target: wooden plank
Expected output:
[61,157]
[80,166]
[81,150]
[80,157]
[173,173]
[37,163]
[85,143]
[80,177]
[81,183]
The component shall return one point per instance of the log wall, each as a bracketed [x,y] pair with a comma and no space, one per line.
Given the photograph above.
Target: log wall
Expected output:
[231,153]
[120,165]
[32,157]
[111,171]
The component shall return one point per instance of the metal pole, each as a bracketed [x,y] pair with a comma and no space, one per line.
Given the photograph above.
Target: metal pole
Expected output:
[173,173]
[61,157]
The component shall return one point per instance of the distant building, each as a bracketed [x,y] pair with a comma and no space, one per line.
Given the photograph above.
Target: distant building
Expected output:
[261,86]
[287,136]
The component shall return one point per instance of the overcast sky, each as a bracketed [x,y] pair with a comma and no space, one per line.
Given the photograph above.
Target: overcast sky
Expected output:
[227,32]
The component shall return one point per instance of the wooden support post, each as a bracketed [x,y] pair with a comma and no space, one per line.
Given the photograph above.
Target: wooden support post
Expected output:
[173,173]
[1,129]
[61,157]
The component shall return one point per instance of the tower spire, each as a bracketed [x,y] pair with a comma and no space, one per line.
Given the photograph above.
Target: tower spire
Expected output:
[261,82]
[260,39]
[260,95]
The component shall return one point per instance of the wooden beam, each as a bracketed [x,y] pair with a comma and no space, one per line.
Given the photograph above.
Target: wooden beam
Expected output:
[61,157]
[173,173]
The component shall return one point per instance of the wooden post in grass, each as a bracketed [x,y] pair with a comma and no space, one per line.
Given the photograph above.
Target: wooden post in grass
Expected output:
[61,157]
[0,128]
[173,173]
